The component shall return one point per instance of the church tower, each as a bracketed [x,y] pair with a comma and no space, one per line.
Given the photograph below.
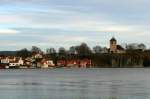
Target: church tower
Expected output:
[113,45]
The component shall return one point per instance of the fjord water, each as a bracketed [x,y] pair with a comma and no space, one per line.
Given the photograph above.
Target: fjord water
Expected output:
[75,84]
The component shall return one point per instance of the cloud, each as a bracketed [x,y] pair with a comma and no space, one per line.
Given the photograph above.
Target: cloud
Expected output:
[65,22]
[8,31]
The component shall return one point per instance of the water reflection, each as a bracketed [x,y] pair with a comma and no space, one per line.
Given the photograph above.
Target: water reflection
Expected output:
[75,84]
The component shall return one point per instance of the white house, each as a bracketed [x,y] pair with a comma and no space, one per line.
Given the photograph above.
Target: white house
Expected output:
[16,63]
[5,60]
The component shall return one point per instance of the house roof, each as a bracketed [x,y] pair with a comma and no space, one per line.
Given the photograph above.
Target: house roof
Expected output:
[119,47]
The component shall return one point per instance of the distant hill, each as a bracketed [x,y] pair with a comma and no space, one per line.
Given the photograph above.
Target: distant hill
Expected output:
[8,53]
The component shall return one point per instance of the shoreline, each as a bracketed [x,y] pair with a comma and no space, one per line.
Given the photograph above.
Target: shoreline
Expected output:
[69,68]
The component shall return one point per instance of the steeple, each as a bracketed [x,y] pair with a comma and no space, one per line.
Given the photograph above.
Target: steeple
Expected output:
[113,45]
[113,39]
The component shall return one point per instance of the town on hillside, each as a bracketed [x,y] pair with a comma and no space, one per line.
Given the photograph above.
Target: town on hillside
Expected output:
[116,56]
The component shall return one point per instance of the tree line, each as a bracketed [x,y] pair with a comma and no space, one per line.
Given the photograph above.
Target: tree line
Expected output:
[99,55]
[83,50]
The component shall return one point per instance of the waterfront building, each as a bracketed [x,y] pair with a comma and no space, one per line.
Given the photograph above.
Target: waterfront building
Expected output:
[16,63]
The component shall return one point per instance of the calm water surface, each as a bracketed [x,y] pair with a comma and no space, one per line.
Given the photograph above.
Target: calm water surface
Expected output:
[75,84]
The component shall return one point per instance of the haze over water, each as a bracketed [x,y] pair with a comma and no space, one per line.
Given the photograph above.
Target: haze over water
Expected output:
[75,84]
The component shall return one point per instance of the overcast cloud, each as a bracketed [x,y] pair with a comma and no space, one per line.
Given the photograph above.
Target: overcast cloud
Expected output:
[55,23]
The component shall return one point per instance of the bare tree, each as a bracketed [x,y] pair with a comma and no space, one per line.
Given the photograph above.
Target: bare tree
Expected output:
[72,50]
[62,51]
[97,49]
[142,46]
[51,51]
[36,49]
[135,46]
[83,50]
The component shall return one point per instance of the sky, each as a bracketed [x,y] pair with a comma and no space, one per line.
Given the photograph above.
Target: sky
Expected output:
[63,23]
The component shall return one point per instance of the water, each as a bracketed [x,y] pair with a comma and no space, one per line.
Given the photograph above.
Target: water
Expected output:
[75,84]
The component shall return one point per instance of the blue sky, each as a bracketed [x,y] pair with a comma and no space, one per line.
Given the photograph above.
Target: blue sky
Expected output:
[56,23]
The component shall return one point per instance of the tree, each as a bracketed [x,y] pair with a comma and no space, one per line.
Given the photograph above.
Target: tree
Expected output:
[72,50]
[62,51]
[134,46]
[142,46]
[97,49]
[36,49]
[51,54]
[83,50]
[51,51]
[24,53]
